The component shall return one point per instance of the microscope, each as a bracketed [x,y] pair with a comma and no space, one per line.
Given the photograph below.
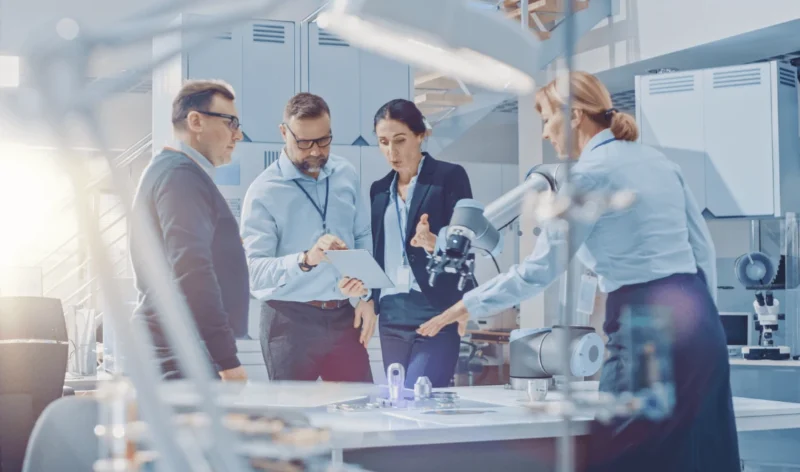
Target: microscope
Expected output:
[756,270]
[767,315]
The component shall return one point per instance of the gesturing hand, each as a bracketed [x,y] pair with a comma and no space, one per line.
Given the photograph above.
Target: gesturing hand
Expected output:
[424,238]
[326,242]
[455,314]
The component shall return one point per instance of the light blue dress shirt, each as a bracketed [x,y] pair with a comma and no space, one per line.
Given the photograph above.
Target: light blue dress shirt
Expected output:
[198,158]
[279,222]
[662,233]
[394,242]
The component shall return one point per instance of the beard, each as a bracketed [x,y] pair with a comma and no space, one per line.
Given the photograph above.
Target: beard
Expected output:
[313,164]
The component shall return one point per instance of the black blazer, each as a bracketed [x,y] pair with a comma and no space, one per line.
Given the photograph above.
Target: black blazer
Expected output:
[439,186]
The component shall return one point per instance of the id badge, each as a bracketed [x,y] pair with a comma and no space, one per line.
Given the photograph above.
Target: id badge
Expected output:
[403,280]
[587,294]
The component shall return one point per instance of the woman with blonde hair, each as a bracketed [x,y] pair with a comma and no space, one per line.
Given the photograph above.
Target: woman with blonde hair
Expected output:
[654,256]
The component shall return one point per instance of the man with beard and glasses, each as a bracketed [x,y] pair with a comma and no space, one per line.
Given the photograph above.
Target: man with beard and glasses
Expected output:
[307,202]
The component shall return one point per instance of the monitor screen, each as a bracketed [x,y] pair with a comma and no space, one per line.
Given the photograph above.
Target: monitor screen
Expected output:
[736,326]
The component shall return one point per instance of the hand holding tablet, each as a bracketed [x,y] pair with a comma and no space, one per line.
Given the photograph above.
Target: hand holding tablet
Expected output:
[359,264]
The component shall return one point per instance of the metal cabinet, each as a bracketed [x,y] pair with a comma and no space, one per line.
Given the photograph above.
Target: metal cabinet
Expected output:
[268,77]
[734,132]
[258,59]
[354,82]
[738,177]
[660,99]
[381,80]
[373,167]
[219,58]
[333,74]
[351,153]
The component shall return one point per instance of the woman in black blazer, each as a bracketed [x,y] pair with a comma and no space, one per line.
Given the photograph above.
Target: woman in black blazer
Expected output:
[409,207]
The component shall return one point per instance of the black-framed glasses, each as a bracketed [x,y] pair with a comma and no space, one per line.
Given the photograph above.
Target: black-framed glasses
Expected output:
[233,121]
[306,144]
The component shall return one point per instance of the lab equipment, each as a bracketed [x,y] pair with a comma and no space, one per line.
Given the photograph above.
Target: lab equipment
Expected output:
[536,353]
[738,331]
[422,388]
[767,314]
[756,269]
[359,264]
[396,378]
[474,227]
[768,267]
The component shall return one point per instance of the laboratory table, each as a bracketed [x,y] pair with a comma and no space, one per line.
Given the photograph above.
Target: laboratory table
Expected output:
[492,430]
[496,432]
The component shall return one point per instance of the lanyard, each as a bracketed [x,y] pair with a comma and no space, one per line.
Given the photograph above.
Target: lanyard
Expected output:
[323,212]
[400,225]
[603,143]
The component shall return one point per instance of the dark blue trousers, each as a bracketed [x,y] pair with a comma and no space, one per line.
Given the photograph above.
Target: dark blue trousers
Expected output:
[435,358]
[700,433]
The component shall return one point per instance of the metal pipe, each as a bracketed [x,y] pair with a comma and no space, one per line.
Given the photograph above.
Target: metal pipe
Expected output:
[565,444]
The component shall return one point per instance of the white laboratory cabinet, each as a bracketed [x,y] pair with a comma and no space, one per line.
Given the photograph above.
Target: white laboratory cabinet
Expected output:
[257,58]
[733,131]
[354,82]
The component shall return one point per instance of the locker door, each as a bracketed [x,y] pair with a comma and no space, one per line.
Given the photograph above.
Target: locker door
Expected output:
[373,167]
[351,153]
[333,75]
[381,80]
[671,120]
[268,78]
[738,136]
[220,58]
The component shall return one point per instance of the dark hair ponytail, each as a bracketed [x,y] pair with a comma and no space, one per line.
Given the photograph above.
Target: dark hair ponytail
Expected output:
[405,112]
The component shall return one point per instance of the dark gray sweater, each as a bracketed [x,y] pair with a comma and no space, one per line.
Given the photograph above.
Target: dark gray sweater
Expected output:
[201,243]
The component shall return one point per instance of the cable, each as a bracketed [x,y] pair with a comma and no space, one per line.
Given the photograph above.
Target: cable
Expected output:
[496,265]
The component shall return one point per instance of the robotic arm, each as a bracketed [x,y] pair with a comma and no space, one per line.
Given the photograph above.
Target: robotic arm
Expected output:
[475,227]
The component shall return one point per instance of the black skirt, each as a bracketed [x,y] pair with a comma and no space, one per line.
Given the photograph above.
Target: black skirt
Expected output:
[699,433]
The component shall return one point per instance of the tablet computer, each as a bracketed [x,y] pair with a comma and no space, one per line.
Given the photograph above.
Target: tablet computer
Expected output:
[359,264]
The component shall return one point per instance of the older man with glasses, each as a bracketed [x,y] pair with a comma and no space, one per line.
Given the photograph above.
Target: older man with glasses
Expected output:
[307,202]
[197,231]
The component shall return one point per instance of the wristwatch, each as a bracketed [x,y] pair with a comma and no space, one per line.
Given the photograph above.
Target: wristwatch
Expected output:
[366,297]
[304,266]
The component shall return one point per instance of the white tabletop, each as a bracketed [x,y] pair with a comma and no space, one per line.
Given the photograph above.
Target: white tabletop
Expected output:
[503,417]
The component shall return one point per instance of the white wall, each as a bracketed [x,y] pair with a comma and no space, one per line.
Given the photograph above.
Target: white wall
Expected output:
[645,29]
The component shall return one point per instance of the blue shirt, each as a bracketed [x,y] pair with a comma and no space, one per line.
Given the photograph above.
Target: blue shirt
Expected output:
[662,233]
[198,158]
[394,242]
[279,222]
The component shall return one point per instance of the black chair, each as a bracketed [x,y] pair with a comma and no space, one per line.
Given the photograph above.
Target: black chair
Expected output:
[33,364]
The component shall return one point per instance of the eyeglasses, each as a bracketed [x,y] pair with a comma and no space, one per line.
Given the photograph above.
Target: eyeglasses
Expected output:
[306,144]
[233,121]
